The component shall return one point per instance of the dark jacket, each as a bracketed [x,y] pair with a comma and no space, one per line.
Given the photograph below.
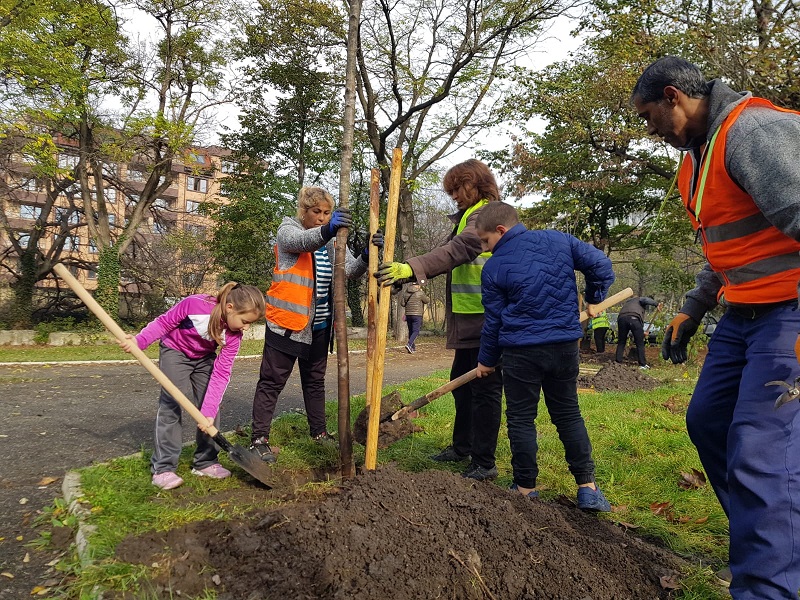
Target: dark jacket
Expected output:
[414,300]
[463,330]
[530,296]
[635,307]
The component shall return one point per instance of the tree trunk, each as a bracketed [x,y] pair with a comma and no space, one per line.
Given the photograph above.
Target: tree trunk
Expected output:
[108,276]
[22,309]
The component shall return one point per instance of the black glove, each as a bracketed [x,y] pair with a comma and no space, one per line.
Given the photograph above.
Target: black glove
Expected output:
[677,336]
[340,218]
[377,240]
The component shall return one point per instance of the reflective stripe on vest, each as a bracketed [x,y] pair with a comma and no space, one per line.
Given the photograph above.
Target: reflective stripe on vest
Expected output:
[755,261]
[289,297]
[465,281]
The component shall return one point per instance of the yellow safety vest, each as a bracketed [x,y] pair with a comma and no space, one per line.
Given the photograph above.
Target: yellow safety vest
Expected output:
[465,281]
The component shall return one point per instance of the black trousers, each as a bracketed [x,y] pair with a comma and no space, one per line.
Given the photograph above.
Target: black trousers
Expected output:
[276,366]
[634,325]
[478,410]
[600,338]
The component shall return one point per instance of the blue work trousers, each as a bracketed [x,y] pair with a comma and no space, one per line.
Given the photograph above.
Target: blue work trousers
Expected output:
[552,369]
[750,450]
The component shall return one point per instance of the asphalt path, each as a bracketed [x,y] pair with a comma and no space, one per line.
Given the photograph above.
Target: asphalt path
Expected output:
[62,416]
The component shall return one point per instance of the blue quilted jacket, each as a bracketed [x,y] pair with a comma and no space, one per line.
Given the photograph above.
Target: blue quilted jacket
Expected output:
[530,294]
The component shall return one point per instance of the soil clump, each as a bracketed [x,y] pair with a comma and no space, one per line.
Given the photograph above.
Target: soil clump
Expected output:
[618,377]
[394,534]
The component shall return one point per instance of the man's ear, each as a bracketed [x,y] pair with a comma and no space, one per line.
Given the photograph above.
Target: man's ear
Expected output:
[501,229]
[672,95]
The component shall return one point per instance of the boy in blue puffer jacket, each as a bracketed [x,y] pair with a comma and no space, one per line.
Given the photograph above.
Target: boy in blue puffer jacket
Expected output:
[532,321]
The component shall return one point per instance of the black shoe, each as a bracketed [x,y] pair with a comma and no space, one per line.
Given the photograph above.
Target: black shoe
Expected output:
[324,438]
[261,447]
[449,454]
[480,473]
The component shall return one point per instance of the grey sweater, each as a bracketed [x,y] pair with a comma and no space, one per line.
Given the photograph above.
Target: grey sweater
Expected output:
[761,156]
[293,240]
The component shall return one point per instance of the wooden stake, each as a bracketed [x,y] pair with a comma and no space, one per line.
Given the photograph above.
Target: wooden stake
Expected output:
[382,324]
[372,283]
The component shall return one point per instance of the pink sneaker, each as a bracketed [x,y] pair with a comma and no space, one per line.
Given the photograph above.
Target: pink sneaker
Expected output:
[215,471]
[167,480]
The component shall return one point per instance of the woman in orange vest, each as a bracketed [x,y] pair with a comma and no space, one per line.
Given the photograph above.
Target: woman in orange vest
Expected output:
[299,312]
[740,184]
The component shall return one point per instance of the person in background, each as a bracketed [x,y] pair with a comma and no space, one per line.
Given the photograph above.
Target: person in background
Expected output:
[600,327]
[631,320]
[532,323]
[479,403]
[299,312]
[190,333]
[740,185]
[414,301]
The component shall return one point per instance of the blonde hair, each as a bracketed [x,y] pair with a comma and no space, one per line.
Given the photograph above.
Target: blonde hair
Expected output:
[244,298]
[310,197]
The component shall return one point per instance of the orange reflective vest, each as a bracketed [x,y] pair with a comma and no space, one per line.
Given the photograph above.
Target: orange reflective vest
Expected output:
[289,297]
[756,262]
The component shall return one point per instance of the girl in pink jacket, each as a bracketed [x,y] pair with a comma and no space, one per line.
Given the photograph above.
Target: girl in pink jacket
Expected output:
[190,334]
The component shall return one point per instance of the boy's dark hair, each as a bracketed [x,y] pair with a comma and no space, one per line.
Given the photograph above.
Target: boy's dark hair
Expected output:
[674,71]
[494,214]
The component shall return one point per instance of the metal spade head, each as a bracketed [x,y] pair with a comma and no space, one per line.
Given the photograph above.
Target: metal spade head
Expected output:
[792,392]
[249,461]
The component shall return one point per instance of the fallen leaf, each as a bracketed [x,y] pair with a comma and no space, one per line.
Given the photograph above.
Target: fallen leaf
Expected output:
[47,480]
[20,538]
[3,436]
[628,525]
[684,519]
[669,582]
[27,558]
[39,590]
[701,520]
[7,574]
[216,579]
[694,480]
[658,508]
[23,500]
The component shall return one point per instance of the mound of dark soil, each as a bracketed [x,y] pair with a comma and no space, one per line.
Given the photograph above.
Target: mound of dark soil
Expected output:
[392,534]
[618,377]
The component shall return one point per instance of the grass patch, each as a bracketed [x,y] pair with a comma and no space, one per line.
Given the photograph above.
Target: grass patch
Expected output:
[640,448]
[111,351]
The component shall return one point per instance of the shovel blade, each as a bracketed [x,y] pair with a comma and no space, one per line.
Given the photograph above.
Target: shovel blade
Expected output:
[246,459]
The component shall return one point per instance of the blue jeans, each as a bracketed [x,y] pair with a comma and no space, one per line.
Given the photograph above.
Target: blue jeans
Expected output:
[750,450]
[552,369]
[414,323]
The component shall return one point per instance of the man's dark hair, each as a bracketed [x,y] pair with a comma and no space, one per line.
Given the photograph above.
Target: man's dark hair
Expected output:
[674,71]
[494,214]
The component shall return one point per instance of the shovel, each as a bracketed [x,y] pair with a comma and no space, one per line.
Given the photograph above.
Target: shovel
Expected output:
[239,455]
[470,375]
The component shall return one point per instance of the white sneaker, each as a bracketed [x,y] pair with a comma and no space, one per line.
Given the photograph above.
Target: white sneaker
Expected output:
[644,367]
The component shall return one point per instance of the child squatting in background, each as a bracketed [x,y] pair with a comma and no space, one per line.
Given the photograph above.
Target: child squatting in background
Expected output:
[190,333]
[532,326]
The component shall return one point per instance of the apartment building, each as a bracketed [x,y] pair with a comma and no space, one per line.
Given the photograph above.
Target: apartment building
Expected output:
[194,179]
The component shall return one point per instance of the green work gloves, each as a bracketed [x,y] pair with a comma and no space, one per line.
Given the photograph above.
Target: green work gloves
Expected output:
[394,272]
[676,338]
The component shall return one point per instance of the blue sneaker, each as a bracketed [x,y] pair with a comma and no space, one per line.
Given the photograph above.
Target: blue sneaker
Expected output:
[532,494]
[589,499]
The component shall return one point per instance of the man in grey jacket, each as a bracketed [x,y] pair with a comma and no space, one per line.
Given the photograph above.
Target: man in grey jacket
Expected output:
[740,184]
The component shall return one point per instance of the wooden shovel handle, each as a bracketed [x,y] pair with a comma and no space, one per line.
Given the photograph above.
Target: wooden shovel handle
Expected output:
[118,333]
[610,301]
[470,375]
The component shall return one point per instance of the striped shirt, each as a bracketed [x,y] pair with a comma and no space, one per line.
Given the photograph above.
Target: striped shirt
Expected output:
[323,277]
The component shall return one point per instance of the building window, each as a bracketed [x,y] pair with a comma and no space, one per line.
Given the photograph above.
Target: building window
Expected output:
[68,161]
[112,219]
[160,227]
[111,194]
[165,203]
[28,211]
[192,207]
[228,166]
[92,247]
[197,184]
[196,230]
[74,271]
[24,239]
[31,185]
[136,175]
[91,274]
[132,199]
[68,215]
[193,156]
[71,243]
[110,170]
